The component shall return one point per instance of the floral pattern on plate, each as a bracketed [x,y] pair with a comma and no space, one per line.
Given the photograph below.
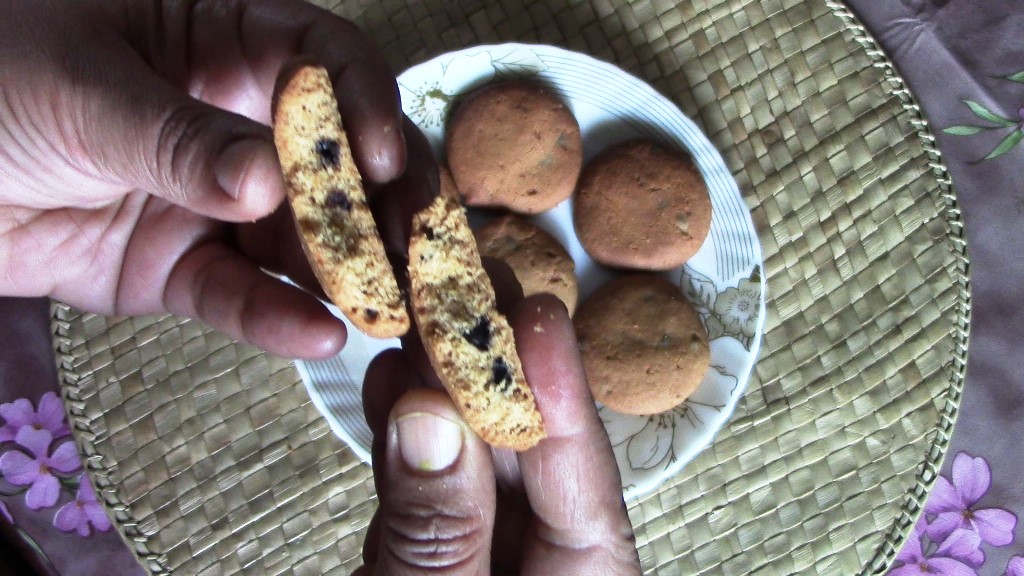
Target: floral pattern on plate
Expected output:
[429,100]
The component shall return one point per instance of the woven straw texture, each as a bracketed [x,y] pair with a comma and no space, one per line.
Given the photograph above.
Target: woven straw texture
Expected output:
[213,460]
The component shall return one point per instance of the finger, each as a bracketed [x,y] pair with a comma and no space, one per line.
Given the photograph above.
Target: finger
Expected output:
[209,160]
[412,344]
[388,377]
[395,204]
[238,49]
[438,511]
[272,243]
[513,518]
[215,284]
[571,478]
[508,293]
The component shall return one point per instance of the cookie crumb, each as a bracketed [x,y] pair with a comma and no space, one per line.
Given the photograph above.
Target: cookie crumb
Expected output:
[537,327]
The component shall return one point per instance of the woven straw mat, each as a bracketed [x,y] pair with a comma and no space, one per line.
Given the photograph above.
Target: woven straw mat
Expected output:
[213,461]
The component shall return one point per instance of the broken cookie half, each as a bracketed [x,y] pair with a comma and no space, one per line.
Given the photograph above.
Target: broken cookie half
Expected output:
[469,343]
[325,191]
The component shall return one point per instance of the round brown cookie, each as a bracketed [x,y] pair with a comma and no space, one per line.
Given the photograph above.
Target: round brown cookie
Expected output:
[514,145]
[540,263]
[643,345]
[642,205]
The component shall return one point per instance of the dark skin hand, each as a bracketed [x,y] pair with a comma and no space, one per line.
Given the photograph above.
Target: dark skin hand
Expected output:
[138,175]
[449,504]
[137,169]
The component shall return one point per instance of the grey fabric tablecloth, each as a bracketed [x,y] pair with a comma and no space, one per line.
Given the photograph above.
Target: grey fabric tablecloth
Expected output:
[952,53]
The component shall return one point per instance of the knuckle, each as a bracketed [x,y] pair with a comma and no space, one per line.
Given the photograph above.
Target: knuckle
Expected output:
[179,149]
[426,536]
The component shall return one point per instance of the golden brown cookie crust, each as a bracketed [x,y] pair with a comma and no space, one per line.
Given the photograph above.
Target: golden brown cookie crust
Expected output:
[642,205]
[644,347]
[540,263]
[514,145]
[469,343]
[325,191]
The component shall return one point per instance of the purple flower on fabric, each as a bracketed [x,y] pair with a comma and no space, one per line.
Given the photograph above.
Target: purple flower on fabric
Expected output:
[84,510]
[6,513]
[35,469]
[952,503]
[950,559]
[1016,565]
[49,416]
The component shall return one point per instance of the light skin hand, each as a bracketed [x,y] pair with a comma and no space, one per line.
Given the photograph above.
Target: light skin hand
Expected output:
[450,505]
[138,173]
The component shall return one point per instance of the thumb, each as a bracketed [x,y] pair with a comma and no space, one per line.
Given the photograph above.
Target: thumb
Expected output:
[438,493]
[208,160]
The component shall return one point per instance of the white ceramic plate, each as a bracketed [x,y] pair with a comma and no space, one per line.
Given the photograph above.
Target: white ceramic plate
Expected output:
[723,280]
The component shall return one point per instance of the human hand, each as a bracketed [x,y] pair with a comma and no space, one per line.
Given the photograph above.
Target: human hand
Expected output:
[137,171]
[451,505]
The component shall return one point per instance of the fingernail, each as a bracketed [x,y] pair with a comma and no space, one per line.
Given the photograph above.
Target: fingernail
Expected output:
[233,164]
[428,442]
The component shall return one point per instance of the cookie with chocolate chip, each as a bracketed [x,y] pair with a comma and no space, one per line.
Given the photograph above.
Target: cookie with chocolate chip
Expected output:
[470,344]
[325,192]
[514,145]
[643,345]
[642,205]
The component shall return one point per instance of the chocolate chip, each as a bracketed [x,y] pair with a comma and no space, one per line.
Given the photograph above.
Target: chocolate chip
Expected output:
[480,334]
[337,199]
[329,152]
[371,314]
[429,233]
[501,374]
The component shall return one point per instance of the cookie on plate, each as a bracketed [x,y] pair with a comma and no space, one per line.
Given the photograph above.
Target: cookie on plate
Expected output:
[643,345]
[541,264]
[642,205]
[325,191]
[514,145]
[447,186]
[469,343]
